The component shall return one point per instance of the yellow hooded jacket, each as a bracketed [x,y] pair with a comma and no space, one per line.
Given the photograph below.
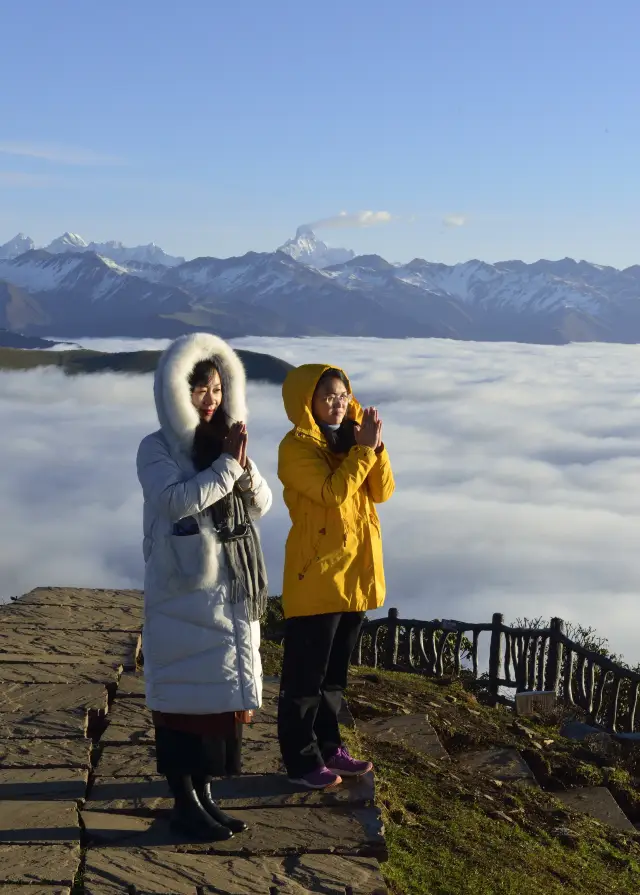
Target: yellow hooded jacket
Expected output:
[333,556]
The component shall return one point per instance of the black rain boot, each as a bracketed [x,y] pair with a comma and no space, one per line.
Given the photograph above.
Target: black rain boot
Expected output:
[189,817]
[202,787]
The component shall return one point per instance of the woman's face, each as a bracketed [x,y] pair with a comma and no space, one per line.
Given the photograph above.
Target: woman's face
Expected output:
[207,398]
[330,402]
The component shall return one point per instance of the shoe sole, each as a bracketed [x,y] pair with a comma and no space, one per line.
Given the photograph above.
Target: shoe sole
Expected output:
[352,774]
[179,830]
[305,783]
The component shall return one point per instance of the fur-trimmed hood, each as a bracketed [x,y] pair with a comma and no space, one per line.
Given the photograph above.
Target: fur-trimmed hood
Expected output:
[177,415]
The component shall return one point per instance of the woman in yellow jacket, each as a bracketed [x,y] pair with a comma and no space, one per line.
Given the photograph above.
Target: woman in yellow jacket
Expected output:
[334,469]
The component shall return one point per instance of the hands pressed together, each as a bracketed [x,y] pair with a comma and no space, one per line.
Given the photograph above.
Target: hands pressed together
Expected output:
[235,443]
[369,432]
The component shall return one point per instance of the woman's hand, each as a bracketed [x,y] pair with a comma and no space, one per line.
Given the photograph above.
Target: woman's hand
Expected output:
[235,443]
[243,457]
[369,432]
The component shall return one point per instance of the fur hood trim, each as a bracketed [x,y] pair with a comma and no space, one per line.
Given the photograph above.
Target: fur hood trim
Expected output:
[177,415]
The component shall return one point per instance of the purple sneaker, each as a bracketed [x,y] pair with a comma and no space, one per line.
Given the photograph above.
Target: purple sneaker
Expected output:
[321,778]
[342,763]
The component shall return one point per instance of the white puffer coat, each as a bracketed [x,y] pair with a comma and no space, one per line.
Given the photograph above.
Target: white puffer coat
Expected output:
[201,652]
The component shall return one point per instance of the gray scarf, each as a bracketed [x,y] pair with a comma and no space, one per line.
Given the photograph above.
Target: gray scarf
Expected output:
[243,551]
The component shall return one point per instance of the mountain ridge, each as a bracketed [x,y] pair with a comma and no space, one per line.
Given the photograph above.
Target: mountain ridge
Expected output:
[73,243]
[79,292]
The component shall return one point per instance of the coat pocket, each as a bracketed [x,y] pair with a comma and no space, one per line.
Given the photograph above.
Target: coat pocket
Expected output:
[186,527]
[311,537]
[187,553]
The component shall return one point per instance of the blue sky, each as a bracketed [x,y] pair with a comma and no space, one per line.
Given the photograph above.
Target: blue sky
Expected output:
[216,128]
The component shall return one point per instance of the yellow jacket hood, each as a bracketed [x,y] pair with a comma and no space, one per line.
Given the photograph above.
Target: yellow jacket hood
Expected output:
[297,394]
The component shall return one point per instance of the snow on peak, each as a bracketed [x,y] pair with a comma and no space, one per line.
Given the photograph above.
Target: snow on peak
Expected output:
[68,242]
[307,249]
[304,231]
[115,250]
[16,246]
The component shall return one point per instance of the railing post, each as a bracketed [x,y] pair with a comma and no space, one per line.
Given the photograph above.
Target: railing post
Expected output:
[554,656]
[391,651]
[497,622]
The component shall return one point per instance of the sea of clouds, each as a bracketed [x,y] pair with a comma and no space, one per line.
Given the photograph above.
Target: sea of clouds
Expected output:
[517,470]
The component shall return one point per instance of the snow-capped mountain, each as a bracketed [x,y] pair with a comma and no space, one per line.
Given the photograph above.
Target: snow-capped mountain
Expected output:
[77,291]
[68,242]
[116,251]
[308,249]
[87,294]
[72,243]
[148,254]
[16,246]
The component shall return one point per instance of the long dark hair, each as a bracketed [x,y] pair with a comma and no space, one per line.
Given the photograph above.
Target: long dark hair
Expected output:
[209,435]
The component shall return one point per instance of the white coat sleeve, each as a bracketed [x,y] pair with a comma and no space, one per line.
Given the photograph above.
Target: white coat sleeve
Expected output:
[256,493]
[164,486]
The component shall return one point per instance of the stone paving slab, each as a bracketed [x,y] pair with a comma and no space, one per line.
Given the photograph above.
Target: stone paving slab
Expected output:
[414,731]
[59,661]
[130,713]
[598,802]
[97,598]
[127,761]
[61,673]
[260,754]
[256,732]
[109,871]
[33,698]
[31,822]
[261,750]
[43,784]
[272,831]
[127,736]
[501,764]
[271,790]
[270,686]
[268,714]
[45,753]
[43,726]
[38,864]
[34,890]
[71,617]
[34,641]
[151,795]
[130,722]
[131,685]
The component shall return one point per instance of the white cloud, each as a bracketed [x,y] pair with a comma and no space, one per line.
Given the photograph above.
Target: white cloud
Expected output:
[516,467]
[63,155]
[355,219]
[454,220]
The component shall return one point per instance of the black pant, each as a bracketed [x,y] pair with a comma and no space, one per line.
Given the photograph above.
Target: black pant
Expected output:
[317,651]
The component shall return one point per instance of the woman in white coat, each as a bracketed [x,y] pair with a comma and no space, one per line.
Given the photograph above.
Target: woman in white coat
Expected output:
[205,580]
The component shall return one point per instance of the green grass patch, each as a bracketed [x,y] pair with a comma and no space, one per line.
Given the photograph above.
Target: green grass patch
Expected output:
[451,832]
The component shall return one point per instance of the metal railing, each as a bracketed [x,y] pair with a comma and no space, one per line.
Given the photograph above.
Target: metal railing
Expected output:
[524,659]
